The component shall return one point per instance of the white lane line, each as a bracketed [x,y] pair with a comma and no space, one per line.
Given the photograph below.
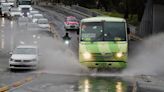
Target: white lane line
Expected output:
[3,22]
[11,23]
[2,43]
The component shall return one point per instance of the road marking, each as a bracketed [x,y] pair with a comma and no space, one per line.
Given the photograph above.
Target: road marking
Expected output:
[17,84]
[4,88]
[2,43]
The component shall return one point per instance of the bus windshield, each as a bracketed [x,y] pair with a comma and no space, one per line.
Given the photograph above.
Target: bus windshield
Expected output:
[103,31]
[25,3]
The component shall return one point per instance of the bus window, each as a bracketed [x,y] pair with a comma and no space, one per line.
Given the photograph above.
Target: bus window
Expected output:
[91,31]
[114,31]
[25,2]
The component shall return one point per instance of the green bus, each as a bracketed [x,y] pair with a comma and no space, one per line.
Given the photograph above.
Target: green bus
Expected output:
[103,42]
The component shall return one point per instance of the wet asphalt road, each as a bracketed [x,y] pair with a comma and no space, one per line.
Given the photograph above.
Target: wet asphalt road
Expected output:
[59,70]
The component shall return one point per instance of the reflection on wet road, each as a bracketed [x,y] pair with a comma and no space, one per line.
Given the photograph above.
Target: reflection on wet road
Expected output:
[101,84]
[60,83]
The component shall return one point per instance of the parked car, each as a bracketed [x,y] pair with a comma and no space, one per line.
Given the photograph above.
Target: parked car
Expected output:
[71,22]
[24,57]
[35,17]
[43,24]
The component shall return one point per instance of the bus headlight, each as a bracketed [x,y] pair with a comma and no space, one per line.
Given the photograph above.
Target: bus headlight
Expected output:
[119,55]
[87,55]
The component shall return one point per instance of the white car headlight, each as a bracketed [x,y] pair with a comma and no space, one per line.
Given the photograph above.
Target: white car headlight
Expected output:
[119,55]
[87,55]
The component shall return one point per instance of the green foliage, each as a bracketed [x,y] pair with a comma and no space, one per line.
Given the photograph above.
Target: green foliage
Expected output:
[133,19]
[112,14]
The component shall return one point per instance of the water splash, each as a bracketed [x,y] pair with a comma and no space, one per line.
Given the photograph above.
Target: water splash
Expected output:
[149,59]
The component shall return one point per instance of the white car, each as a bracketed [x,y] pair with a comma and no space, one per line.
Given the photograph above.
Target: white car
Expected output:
[5,8]
[35,17]
[43,24]
[14,12]
[71,22]
[32,13]
[24,57]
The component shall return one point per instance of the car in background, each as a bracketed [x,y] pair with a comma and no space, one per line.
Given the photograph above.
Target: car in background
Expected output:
[32,13]
[24,57]
[25,9]
[43,24]
[71,22]
[35,17]
[5,8]
[14,12]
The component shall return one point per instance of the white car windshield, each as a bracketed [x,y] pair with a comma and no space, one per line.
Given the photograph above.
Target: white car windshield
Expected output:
[14,10]
[72,19]
[38,16]
[34,12]
[25,51]
[5,8]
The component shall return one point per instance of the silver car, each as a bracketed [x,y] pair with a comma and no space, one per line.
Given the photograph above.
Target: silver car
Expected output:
[43,24]
[32,13]
[14,12]
[35,17]
[24,57]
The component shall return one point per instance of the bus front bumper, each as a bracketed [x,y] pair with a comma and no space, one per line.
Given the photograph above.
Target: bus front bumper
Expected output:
[115,65]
